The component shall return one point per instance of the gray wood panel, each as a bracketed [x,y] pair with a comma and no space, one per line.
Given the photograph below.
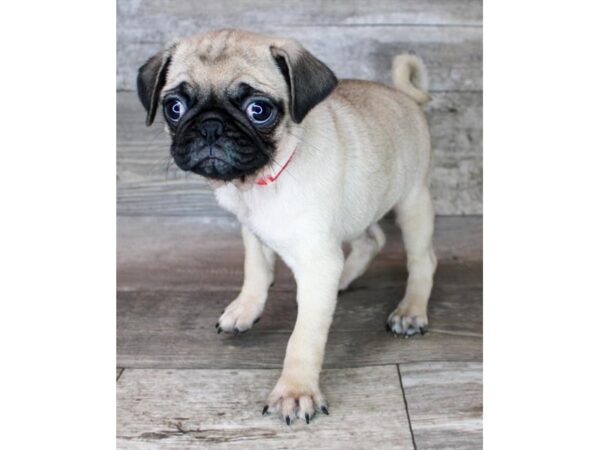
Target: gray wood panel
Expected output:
[453,55]
[202,409]
[309,12]
[445,404]
[168,329]
[148,185]
[196,253]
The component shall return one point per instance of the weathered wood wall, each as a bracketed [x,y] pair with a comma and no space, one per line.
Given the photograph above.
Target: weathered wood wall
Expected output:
[356,38]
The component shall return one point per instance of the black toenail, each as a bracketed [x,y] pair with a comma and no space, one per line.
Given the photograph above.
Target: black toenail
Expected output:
[256,320]
[307,418]
[219,330]
[265,409]
[324,410]
[288,420]
[217,325]
[236,331]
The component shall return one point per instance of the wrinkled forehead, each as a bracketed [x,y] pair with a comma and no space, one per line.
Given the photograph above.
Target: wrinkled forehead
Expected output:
[213,65]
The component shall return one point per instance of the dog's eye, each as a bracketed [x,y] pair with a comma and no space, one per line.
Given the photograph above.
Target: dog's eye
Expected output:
[174,109]
[260,112]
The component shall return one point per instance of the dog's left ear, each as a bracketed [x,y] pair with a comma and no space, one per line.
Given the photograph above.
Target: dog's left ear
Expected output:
[309,80]
[150,81]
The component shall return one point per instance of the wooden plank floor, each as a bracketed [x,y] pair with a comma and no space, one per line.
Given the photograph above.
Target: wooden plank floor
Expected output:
[181,409]
[180,385]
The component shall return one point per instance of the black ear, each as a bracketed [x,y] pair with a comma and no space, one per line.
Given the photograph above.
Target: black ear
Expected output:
[150,81]
[309,80]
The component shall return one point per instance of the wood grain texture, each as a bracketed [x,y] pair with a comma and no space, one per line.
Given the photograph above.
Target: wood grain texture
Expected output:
[312,12]
[168,329]
[148,185]
[356,38]
[205,409]
[453,55]
[197,253]
[445,404]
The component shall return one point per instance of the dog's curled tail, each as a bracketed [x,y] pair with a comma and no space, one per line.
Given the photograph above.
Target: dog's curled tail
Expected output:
[410,76]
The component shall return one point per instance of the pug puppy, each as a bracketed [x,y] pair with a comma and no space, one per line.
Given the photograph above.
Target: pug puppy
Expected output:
[306,163]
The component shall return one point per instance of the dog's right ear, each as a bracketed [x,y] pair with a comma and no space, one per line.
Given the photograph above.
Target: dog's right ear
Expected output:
[309,80]
[150,81]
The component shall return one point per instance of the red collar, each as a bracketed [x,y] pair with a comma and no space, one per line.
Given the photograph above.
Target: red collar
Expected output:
[265,181]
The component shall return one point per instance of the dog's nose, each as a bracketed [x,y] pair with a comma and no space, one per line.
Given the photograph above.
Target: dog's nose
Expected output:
[211,129]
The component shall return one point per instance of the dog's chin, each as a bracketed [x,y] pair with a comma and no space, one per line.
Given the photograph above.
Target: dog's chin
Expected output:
[219,170]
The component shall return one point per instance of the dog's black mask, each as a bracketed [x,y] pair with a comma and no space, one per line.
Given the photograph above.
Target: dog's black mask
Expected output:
[216,137]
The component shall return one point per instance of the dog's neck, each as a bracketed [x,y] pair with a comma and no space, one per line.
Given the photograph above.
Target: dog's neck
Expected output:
[280,168]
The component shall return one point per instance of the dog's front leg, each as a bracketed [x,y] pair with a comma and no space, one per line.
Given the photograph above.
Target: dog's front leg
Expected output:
[245,310]
[317,270]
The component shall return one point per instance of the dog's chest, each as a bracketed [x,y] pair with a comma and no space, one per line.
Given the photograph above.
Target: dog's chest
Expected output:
[266,213]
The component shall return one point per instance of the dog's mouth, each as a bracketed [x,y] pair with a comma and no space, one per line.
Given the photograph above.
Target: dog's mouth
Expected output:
[222,161]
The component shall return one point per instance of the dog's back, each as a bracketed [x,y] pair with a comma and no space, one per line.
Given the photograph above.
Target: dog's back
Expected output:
[386,130]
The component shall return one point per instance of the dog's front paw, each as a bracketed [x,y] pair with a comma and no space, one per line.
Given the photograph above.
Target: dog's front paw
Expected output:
[240,315]
[292,399]
[407,321]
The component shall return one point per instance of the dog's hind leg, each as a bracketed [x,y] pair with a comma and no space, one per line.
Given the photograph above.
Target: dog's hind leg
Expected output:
[415,216]
[363,250]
